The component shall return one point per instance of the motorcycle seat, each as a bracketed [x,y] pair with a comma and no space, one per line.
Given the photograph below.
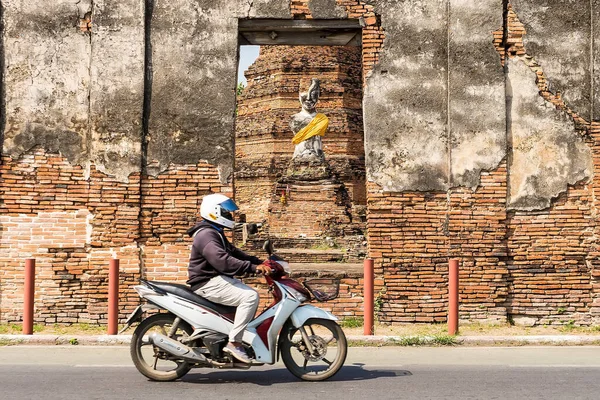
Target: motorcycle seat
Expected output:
[185,292]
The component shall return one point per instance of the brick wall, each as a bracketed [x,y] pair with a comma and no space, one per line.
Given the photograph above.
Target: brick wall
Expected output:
[540,265]
[530,267]
[73,221]
[536,267]
[372,35]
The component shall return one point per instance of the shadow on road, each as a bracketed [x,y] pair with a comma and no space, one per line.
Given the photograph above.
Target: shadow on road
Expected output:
[354,372]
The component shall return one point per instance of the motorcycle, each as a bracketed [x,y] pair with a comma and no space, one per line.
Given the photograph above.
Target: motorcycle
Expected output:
[189,331]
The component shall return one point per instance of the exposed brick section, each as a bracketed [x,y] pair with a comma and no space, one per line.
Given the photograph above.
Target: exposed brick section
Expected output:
[312,209]
[72,221]
[409,246]
[170,202]
[477,232]
[72,224]
[592,260]
[549,276]
[525,264]
[372,35]
[115,208]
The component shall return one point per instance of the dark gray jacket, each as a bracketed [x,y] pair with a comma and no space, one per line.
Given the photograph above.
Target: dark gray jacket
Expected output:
[213,255]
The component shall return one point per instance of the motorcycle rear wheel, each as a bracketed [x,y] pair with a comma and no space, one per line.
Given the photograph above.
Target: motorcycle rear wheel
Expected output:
[151,361]
[329,344]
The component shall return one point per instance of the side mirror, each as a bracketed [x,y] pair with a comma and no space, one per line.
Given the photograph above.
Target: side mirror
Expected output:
[268,247]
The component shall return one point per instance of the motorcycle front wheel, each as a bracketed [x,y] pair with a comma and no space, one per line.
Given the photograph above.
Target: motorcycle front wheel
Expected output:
[150,360]
[329,349]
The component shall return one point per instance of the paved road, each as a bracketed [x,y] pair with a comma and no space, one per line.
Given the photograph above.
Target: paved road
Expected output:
[78,372]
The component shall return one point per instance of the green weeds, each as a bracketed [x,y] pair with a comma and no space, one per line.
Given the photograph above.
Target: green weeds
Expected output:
[352,322]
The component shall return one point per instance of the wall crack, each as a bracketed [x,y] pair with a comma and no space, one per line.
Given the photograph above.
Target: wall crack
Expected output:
[513,46]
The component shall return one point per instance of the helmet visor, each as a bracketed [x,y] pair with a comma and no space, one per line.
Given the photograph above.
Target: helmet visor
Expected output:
[228,207]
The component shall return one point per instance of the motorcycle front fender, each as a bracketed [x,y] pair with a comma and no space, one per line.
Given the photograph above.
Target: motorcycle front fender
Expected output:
[306,312]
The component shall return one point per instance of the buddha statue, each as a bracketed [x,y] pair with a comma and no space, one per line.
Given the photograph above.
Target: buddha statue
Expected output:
[308,126]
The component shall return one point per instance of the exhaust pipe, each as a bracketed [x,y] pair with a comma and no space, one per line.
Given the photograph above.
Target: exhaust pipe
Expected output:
[176,348]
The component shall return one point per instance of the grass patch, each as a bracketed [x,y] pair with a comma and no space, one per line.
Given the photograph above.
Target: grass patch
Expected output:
[445,340]
[436,340]
[10,342]
[56,329]
[15,329]
[10,329]
[352,322]
[569,326]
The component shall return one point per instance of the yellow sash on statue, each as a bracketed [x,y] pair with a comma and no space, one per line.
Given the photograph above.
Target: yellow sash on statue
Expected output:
[317,126]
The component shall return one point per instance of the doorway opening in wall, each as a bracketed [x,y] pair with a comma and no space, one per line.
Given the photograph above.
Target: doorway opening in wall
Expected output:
[312,204]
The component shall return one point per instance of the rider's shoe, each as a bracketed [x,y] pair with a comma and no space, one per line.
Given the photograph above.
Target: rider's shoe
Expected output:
[237,352]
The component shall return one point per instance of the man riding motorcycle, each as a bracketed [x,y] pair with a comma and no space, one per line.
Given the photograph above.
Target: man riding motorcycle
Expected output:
[214,262]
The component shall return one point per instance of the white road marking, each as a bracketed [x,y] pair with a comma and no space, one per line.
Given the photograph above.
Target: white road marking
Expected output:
[103,366]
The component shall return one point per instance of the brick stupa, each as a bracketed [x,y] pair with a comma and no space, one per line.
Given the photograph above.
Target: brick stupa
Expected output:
[302,201]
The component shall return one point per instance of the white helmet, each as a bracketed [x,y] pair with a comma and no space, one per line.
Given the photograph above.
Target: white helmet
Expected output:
[218,208]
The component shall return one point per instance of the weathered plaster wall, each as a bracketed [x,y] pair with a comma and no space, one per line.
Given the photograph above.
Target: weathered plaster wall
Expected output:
[194,49]
[326,9]
[434,106]
[406,99]
[476,120]
[117,86]
[47,61]
[559,39]
[264,9]
[422,131]
[2,94]
[547,152]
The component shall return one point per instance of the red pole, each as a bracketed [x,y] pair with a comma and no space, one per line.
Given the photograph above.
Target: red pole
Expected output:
[369,328]
[453,297]
[113,296]
[29,295]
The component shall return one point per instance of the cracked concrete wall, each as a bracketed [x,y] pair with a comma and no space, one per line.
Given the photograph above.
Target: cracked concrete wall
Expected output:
[547,152]
[117,82]
[194,52]
[47,79]
[477,119]
[435,113]
[559,38]
[405,101]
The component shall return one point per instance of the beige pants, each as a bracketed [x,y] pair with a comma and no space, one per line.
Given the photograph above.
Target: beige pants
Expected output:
[232,292]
